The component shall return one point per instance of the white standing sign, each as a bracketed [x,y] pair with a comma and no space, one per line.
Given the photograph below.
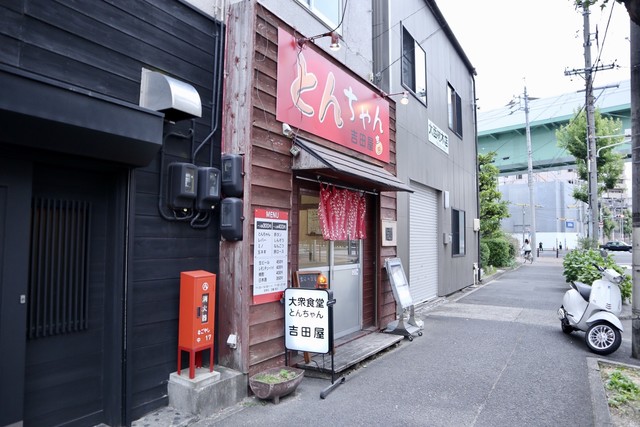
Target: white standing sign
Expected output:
[306,319]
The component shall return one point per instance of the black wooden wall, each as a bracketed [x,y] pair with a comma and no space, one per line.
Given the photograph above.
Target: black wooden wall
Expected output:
[102,46]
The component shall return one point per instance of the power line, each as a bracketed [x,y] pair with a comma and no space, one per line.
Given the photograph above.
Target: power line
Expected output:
[606,30]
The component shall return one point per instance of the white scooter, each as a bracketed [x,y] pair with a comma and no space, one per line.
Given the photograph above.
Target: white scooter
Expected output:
[594,309]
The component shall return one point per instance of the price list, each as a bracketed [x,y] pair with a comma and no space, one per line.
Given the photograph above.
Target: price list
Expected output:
[271,233]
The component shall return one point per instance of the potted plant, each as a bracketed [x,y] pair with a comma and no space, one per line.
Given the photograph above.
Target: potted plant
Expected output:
[276,382]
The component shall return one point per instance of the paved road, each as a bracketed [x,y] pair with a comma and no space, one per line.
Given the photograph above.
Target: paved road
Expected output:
[490,356]
[623,258]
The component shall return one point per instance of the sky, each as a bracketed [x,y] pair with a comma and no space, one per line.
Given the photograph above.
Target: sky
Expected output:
[513,43]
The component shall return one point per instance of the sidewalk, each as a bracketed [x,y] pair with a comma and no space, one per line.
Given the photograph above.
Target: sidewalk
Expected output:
[490,355]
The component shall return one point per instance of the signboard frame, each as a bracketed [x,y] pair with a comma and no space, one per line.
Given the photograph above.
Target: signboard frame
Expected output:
[399,283]
[301,279]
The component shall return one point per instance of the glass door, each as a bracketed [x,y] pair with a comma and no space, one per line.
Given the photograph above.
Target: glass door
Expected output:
[345,280]
[340,261]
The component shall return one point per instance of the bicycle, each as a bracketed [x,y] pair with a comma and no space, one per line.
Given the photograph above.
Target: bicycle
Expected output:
[527,257]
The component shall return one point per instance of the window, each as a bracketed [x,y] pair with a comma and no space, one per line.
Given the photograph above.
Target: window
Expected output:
[455,111]
[329,11]
[414,67]
[58,289]
[457,232]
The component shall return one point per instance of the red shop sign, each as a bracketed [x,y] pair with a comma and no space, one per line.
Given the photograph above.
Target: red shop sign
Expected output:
[319,97]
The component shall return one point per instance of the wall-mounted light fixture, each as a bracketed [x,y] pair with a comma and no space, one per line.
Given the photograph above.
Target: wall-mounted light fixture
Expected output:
[405,96]
[335,40]
[287,131]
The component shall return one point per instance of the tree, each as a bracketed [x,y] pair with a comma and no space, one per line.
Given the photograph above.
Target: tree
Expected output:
[608,222]
[627,225]
[573,138]
[492,208]
[632,6]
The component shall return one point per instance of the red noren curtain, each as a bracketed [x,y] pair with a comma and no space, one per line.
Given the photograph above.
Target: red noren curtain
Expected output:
[341,214]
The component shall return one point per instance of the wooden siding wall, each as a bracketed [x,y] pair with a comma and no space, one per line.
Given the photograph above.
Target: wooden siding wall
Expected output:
[101,46]
[369,266]
[386,300]
[269,184]
[388,209]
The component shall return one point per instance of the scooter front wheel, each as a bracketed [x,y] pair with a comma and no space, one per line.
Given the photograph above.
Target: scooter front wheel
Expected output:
[603,338]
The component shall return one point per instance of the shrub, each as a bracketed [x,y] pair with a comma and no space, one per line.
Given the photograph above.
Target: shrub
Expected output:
[578,266]
[514,247]
[484,253]
[586,243]
[499,249]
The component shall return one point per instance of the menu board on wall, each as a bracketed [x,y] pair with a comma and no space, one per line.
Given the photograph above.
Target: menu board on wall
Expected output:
[270,255]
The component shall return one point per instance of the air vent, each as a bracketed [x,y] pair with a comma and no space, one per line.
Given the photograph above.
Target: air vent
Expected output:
[177,100]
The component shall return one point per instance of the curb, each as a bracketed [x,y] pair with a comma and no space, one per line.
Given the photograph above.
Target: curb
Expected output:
[599,404]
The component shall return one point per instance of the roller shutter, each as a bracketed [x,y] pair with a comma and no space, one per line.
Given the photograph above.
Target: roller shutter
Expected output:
[423,246]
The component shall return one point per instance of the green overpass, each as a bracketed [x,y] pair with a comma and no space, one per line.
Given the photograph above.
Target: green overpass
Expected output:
[504,131]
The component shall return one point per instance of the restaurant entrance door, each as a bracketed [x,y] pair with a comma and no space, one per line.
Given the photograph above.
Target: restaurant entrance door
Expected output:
[340,261]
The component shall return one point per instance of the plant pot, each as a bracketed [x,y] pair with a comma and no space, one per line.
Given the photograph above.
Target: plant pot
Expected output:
[270,384]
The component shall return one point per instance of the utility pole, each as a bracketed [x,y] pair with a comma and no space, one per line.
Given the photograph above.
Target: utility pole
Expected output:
[635,141]
[592,166]
[524,211]
[591,161]
[532,205]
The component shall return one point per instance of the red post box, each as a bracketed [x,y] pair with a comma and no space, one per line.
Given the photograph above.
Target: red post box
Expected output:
[196,322]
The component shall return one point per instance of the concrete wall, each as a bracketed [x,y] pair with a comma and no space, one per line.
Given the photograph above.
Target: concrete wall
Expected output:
[555,209]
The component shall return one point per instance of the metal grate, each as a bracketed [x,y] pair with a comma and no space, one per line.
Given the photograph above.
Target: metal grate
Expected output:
[58,281]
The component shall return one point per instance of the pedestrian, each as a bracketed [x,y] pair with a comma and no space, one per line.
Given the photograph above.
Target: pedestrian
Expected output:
[540,246]
[526,247]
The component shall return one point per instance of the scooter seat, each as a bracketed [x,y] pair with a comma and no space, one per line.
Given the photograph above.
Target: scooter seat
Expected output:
[583,290]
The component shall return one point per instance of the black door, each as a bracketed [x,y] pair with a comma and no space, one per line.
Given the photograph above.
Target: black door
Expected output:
[73,350]
[15,202]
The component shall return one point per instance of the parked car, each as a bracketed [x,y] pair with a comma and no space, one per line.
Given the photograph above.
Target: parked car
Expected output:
[616,246]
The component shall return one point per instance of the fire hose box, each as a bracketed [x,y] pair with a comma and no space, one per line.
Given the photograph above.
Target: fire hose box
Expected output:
[196,321]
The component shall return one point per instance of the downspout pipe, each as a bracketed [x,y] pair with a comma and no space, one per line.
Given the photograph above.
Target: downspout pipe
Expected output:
[217,82]
[475,126]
